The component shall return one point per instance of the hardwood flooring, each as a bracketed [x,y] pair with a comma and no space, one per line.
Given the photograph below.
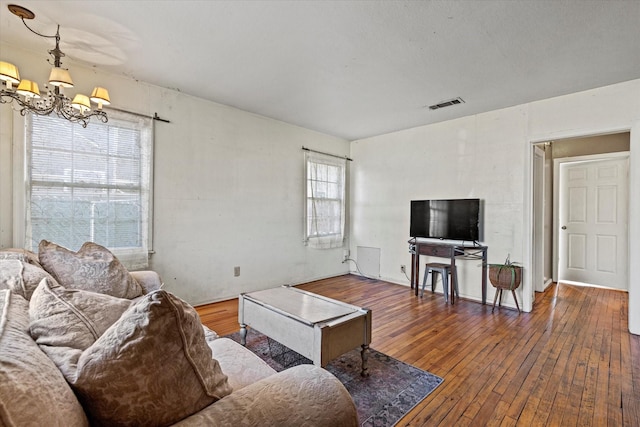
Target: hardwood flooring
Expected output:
[570,362]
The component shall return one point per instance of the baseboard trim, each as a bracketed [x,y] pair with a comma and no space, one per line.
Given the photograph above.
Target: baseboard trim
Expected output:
[200,303]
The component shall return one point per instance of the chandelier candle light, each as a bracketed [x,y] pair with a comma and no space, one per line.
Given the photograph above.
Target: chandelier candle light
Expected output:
[27,94]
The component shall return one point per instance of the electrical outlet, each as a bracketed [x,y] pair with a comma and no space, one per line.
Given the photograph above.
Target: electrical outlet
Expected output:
[236,271]
[403,268]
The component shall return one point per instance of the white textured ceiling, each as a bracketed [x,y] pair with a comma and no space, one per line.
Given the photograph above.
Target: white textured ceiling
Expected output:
[352,69]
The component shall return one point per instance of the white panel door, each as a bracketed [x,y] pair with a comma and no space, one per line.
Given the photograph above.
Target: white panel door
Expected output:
[593,221]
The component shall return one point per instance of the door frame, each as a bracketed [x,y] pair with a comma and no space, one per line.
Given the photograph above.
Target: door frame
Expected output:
[634,208]
[538,220]
[556,200]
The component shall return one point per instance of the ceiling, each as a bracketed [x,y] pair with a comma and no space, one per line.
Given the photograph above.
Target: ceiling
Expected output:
[352,69]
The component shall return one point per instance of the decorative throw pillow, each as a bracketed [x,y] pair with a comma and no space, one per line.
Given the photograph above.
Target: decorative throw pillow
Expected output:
[32,390]
[21,255]
[65,322]
[152,367]
[93,268]
[11,275]
[21,277]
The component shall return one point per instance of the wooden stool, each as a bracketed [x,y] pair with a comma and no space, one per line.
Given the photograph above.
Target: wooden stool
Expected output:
[444,270]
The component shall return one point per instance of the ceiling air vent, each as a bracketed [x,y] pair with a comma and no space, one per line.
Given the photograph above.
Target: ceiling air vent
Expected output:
[447,103]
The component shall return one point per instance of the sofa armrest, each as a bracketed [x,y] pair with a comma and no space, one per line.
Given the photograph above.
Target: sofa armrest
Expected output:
[149,280]
[304,395]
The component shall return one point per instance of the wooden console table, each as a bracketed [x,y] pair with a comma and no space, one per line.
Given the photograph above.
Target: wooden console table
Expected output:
[452,251]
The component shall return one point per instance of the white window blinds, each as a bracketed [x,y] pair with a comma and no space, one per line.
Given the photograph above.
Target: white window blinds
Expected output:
[90,184]
[325,200]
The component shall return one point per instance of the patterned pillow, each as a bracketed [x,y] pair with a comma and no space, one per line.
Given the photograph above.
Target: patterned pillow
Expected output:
[21,277]
[65,322]
[33,391]
[151,367]
[21,255]
[11,275]
[93,268]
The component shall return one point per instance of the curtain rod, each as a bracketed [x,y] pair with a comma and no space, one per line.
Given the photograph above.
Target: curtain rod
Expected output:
[327,154]
[154,117]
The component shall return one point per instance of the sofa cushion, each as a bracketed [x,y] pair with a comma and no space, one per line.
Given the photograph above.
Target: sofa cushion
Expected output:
[151,367]
[65,322]
[301,396]
[32,389]
[20,276]
[93,268]
[241,365]
[149,280]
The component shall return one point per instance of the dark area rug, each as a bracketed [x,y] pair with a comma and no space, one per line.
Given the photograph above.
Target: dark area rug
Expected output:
[391,390]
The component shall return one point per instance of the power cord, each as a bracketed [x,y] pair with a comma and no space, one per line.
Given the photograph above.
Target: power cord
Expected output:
[358,268]
[367,277]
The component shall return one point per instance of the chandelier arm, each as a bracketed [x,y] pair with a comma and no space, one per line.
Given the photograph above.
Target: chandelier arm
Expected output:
[42,107]
[68,112]
[12,95]
[56,35]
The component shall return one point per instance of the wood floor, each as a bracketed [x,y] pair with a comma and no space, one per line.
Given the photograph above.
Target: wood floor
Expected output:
[570,362]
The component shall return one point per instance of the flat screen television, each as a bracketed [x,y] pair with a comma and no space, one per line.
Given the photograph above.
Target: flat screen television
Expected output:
[455,219]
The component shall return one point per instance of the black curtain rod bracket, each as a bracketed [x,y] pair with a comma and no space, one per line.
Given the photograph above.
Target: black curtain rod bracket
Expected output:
[156,117]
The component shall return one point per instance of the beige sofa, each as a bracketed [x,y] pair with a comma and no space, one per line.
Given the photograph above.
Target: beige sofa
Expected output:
[66,358]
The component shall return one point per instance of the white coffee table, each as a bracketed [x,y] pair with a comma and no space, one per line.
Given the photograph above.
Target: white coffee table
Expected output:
[314,326]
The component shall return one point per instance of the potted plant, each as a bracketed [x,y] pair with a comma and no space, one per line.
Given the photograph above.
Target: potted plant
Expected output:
[505,276]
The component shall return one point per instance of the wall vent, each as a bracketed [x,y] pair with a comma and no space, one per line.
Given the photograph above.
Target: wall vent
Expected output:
[448,103]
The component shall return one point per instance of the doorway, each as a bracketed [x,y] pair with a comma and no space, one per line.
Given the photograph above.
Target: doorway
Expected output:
[546,199]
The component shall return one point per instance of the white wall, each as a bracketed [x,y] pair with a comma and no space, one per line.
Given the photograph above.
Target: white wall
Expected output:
[228,189]
[455,159]
[487,156]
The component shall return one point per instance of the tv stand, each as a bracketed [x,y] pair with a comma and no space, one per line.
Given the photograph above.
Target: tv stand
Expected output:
[449,250]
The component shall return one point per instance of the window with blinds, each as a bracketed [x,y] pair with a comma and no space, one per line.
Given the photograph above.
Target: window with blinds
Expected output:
[91,184]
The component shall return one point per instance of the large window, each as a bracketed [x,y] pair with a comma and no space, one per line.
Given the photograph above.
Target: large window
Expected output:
[90,184]
[325,200]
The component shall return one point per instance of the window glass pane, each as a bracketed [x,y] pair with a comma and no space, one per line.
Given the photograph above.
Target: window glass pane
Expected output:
[52,133]
[91,140]
[51,165]
[333,191]
[333,174]
[320,189]
[316,171]
[90,169]
[124,171]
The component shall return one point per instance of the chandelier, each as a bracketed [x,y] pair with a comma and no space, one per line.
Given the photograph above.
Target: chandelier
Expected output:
[28,97]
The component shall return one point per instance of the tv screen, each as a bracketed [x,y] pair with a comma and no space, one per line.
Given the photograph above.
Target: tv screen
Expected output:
[456,219]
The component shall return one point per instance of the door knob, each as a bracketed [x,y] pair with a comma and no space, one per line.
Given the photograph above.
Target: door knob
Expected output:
[564,227]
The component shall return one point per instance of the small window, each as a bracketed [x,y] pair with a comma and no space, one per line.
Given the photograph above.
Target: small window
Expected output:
[324,201]
[90,184]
